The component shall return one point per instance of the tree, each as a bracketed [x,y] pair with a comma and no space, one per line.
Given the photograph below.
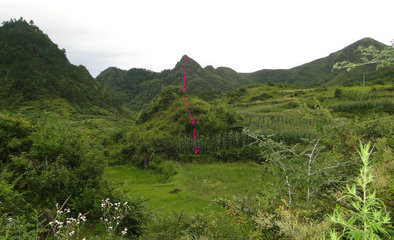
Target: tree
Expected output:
[369,55]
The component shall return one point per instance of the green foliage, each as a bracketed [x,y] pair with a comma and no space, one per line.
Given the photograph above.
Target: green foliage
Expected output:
[163,101]
[183,227]
[12,203]
[366,216]
[299,145]
[32,67]
[143,147]
[137,87]
[338,93]
[365,107]
[320,70]
[133,88]
[166,168]
[369,55]
[18,228]
[356,95]
[261,217]
[229,141]
[15,134]
[290,126]
[47,163]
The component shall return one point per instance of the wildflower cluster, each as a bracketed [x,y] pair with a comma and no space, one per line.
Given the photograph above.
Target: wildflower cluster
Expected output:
[64,227]
[113,213]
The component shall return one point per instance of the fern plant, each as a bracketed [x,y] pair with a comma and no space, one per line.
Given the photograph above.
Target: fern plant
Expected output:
[366,217]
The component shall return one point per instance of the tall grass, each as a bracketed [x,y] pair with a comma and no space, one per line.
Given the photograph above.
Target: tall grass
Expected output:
[212,144]
[354,107]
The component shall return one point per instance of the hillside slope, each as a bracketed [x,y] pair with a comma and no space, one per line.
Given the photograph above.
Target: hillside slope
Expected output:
[319,72]
[32,68]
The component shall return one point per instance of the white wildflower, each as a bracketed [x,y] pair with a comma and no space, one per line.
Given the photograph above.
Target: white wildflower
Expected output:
[124,231]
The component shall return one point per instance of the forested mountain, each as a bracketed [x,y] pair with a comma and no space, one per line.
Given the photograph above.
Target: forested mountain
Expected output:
[32,67]
[136,87]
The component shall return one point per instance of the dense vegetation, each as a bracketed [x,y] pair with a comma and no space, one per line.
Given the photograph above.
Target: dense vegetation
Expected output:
[32,68]
[137,87]
[277,161]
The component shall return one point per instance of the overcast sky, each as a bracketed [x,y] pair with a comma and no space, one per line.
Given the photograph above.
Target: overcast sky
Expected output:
[244,35]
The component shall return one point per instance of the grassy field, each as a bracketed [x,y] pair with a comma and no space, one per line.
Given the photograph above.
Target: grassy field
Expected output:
[205,181]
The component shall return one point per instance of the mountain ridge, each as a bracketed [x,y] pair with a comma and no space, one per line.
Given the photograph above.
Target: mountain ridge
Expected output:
[202,79]
[33,67]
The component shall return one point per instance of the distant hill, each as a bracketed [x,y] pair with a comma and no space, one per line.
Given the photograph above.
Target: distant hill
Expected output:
[32,67]
[319,72]
[136,87]
[132,88]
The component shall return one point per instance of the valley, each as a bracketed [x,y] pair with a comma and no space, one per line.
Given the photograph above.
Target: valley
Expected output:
[279,149]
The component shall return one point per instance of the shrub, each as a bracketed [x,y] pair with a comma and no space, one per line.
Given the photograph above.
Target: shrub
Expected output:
[250,152]
[45,162]
[366,216]
[338,93]
[180,226]
[17,228]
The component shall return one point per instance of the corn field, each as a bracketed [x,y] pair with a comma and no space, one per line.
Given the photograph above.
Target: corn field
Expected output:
[212,144]
[359,95]
[386,106]
[287,121]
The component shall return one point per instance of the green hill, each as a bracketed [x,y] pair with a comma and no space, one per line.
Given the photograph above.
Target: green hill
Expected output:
[33,68]
[136,87]
[319,72]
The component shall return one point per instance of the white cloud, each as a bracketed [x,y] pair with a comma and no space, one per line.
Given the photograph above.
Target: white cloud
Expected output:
[244,35]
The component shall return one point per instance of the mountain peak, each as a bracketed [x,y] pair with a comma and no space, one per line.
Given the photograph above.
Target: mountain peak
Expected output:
[37,69]
[191,64]
[364,42]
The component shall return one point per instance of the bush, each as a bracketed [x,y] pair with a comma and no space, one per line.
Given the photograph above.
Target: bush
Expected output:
[17,228]
[263,220]
[292,104]
[123,217]
[338,93]
[181,226]
[250,152]
[366,216]
[15,136]
[228,155]
[47,162]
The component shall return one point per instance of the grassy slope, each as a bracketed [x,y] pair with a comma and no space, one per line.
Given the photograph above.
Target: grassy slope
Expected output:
[206,181]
